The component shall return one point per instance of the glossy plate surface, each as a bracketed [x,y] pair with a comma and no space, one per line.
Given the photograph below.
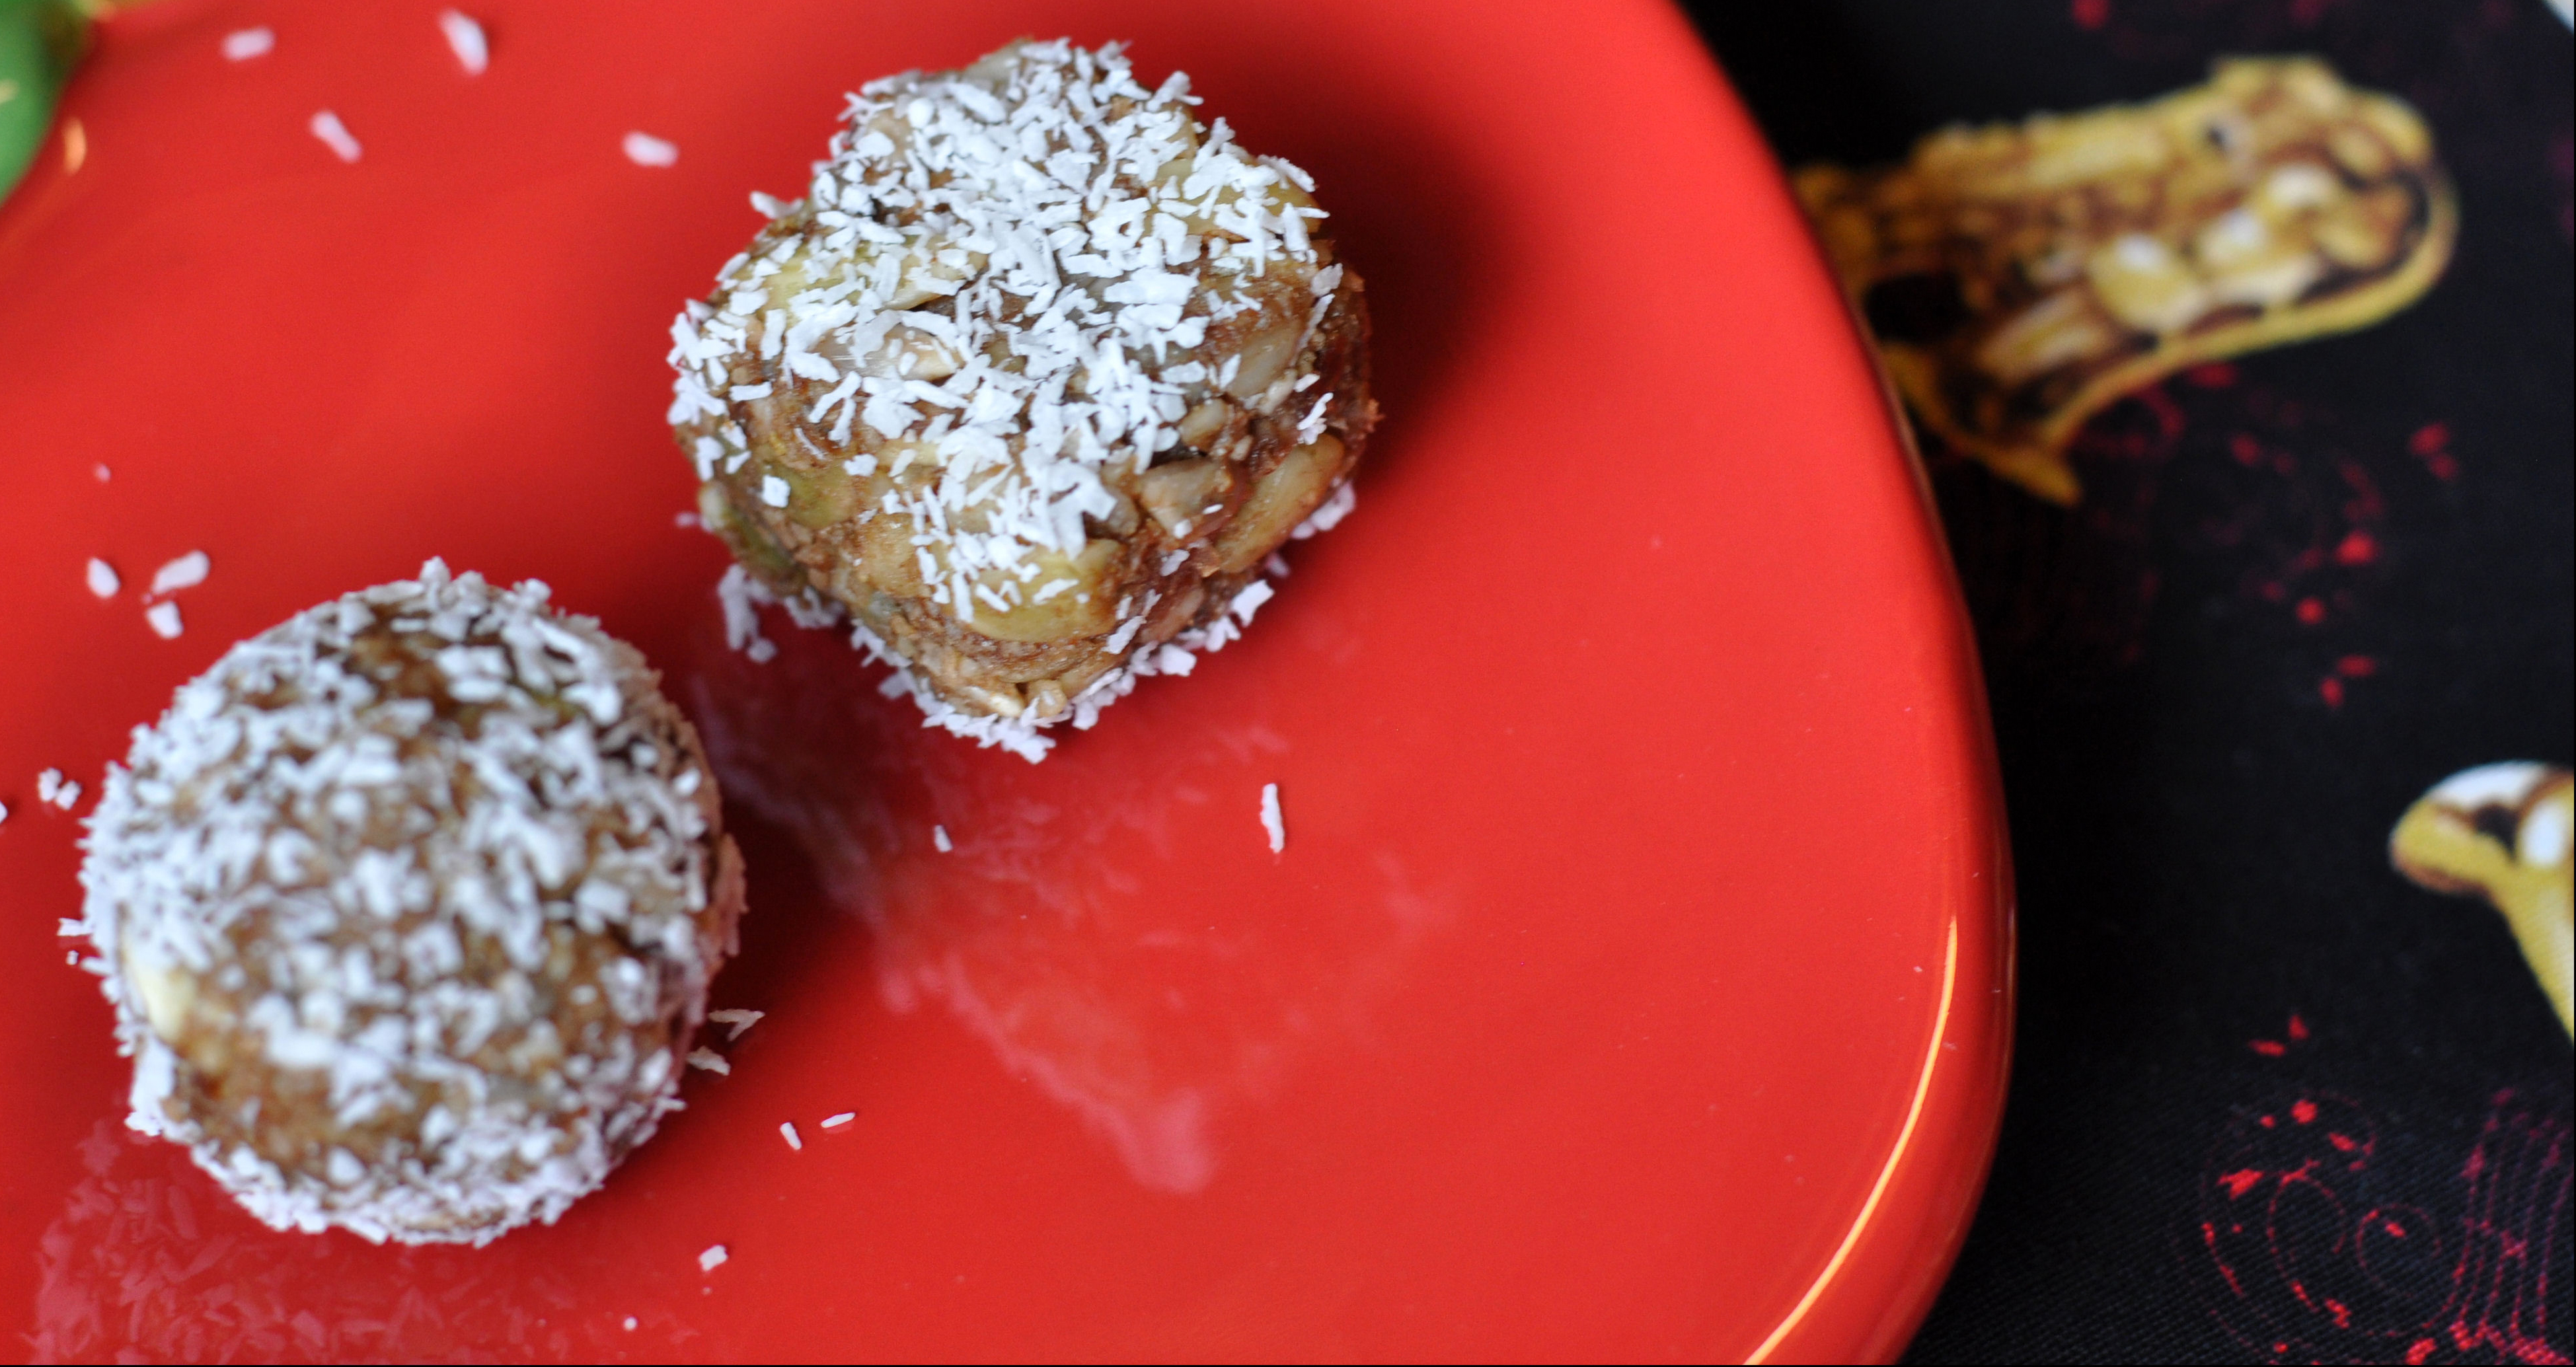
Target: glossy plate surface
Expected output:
[1635,982]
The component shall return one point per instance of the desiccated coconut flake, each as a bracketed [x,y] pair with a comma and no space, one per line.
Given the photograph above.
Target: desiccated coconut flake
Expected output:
[164,618]
[834,1122]
[741,596]
[710,1060]
[102,578]
[787,1131]
[630,1324]
[939,838]
[1250,599]
[186,572]
[52,787]
[242,44]
[713,1258]
[1270,819]
[644,149]
[735,1020]
[465,39]
[1328,516]
[334,135]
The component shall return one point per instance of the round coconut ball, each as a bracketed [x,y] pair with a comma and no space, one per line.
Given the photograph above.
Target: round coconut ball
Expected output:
[408,909]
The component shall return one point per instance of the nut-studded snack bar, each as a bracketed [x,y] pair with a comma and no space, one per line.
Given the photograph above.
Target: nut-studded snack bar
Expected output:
[1031,384]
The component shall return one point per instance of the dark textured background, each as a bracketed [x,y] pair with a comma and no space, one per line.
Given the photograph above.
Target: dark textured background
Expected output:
[2270,1101]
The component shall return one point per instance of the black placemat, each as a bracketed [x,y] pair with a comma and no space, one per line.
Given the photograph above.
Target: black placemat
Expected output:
[2270,1100]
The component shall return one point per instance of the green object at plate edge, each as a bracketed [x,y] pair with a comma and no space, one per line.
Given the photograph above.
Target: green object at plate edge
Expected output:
[40,42]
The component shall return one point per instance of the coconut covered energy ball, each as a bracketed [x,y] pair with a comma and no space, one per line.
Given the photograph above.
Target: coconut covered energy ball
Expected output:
[1031,383]
[408,907]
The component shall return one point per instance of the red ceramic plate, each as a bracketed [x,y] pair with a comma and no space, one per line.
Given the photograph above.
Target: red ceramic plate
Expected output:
[1636,979]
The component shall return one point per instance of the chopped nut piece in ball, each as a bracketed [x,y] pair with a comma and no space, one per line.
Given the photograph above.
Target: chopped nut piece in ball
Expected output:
[408,908]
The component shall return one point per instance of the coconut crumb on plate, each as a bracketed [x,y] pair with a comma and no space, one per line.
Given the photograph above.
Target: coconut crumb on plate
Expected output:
[1270,819]
[102,578]
[710,1060]
[242,44]
[164,619]
[713,1258]
[735,1019]
[334,135]
[465,39]
[644,149]
[185,572]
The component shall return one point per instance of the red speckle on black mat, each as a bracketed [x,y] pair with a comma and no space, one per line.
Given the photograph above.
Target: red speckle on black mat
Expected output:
[2306,1247]
[2216,480]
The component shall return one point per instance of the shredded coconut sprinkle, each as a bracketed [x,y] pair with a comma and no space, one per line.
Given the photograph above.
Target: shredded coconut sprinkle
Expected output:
[335,135]
[1330,515]
[834,1122]
[465,39]
[735,1020]
[710,1060]
[644,149]
[102,578]
[741,596]
[939,839]
[787,1131]
[1249,600]
[164,620]
[713,1258]
[52,787]
[1270,819]
[186,572]
[242,44]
